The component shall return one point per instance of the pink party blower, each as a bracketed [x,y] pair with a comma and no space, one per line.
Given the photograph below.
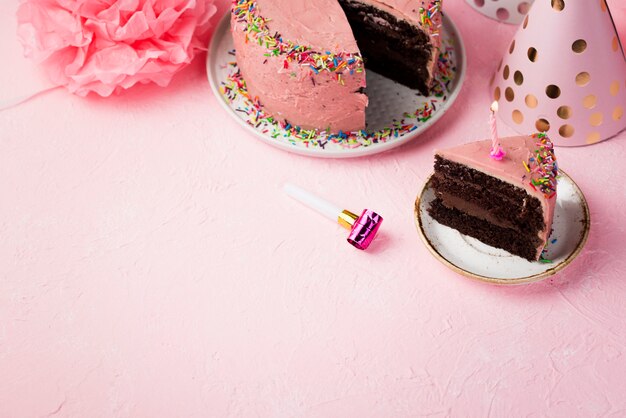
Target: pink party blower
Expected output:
[362,228]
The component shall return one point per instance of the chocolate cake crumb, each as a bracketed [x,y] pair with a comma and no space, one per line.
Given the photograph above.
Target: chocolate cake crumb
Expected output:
[391,47]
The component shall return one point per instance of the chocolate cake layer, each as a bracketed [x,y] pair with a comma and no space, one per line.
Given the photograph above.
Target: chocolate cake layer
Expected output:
[391,47]
[465,206]
[452,169]
[511,205]
[515,214]
[507,239]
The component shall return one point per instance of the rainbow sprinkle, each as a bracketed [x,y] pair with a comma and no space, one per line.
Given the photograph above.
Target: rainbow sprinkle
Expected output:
[543,171]
[427,16]
[256,28]
[544,253]
[542,166]
[252,111]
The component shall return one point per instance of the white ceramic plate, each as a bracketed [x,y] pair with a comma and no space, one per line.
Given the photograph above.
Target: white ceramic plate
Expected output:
[389,102]
[474,259]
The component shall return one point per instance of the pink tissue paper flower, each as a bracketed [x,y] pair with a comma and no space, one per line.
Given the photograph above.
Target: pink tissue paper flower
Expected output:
[106,46]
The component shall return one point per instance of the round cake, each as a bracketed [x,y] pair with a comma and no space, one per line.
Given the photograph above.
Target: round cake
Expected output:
[306,61]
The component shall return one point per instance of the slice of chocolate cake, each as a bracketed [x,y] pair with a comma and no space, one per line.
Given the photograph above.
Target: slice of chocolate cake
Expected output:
[508,204]
[398,38]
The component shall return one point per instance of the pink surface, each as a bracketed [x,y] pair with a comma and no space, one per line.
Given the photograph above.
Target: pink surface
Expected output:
[137,279]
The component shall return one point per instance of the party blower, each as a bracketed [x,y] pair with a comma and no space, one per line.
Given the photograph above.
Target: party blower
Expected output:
[362,228]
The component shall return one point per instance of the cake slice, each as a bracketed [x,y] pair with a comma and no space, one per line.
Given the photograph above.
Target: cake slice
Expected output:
[508,204]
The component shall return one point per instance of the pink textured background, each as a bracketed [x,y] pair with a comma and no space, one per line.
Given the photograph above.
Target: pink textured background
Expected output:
[150,266]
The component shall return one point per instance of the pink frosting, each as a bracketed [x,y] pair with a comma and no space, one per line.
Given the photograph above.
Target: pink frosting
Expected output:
[510,169]
[318,24]
[294,94]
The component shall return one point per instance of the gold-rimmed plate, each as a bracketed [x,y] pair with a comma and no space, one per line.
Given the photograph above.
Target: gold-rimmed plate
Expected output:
[472,258]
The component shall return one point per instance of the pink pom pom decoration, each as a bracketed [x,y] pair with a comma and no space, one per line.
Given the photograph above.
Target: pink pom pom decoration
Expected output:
[107,46]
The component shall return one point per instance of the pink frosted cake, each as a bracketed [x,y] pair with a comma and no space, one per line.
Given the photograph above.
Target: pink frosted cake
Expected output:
[507,204]
[305,60]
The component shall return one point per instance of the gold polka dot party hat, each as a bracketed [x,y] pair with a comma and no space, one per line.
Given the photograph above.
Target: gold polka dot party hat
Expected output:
[564,73]
[506,11]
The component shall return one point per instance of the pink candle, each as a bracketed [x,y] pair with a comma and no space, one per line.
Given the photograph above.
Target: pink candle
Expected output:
[497,153]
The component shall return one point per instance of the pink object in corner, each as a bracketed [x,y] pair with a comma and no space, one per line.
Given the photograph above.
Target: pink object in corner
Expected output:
[564,72]
[110,45]
[505,11]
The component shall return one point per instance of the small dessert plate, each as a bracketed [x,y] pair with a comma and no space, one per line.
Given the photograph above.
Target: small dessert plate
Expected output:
[396,114]
[476,260]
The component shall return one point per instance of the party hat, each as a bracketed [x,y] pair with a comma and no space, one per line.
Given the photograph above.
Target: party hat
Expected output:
[507,11]
[564,72]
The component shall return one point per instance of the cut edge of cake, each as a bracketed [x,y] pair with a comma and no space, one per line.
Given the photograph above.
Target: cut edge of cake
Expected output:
[508,204]
[398,39]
